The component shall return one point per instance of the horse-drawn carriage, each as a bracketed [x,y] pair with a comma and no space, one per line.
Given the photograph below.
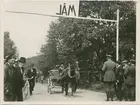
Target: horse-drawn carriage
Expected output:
[54,80]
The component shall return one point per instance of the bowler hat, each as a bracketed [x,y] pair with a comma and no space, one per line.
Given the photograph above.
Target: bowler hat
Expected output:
[22,60]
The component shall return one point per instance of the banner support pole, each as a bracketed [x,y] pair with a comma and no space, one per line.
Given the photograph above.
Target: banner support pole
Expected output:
[117,37]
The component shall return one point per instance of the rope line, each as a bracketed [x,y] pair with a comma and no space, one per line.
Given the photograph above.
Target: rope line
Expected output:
[84,18]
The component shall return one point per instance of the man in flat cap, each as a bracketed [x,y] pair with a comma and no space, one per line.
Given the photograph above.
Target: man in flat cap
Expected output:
[9,75]
[19,82]
[130,82]
[119,80]
[125,67]
[109,68]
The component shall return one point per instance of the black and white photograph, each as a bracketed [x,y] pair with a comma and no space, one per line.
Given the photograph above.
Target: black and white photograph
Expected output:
[69,51]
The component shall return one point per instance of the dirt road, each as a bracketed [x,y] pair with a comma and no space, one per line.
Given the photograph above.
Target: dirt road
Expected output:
[40,94]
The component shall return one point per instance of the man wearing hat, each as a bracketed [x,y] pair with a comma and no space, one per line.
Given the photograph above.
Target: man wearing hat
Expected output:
[109,68]
[130,82]
[72,76]
[62,72]
[31,74]
[119,80]
[9,71]
[19,82]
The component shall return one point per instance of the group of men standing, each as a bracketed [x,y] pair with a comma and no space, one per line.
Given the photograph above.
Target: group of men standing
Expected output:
[14,79]
[119,78]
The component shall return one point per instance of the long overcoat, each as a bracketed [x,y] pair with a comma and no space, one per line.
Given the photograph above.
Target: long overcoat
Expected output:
[9,82]
[130,76]
[109,68]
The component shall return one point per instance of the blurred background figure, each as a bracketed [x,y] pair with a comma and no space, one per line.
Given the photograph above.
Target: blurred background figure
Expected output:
[42,79]
[61,68]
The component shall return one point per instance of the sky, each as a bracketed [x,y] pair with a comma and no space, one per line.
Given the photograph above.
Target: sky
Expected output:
[27,31]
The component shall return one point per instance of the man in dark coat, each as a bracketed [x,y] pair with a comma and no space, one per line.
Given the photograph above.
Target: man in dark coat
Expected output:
[109,68]
[65,80]
[130,82]
[119,80]
[9,75]
[19,82]
[31,74]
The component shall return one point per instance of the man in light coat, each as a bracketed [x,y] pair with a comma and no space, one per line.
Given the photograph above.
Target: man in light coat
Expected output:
[109,79]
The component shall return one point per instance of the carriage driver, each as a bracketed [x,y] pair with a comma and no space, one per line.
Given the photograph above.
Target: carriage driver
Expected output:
[62,71]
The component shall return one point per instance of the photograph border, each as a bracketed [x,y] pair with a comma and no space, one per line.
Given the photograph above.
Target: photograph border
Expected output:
[81,102]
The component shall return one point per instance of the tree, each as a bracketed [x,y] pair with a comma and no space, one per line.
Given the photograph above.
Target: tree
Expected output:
[9,46]
[89,41]
[107,10]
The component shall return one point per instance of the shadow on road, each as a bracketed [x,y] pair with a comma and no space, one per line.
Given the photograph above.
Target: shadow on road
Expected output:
[75,95]
[79,92]
[56,92]
[37,93]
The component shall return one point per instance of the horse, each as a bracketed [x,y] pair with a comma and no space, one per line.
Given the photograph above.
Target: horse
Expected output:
[69,80]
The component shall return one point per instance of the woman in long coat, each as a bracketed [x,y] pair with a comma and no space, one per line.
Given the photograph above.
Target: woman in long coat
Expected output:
[109,76]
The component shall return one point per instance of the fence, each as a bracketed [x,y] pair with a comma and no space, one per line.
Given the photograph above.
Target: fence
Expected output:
[89,77]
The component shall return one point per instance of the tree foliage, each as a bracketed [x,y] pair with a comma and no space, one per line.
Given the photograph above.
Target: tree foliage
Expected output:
[9,46]
[89,41]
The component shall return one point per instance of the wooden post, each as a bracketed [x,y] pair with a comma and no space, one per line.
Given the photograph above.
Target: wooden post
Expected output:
[117,37]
